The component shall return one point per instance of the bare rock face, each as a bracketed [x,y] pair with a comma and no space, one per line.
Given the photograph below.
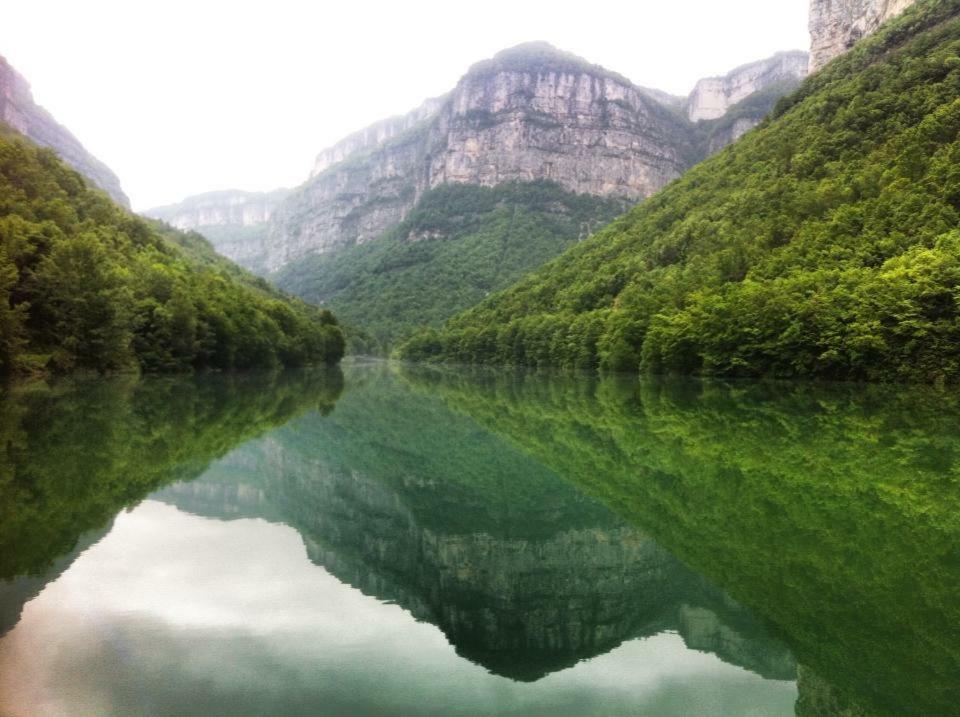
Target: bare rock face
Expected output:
[18,110]
[234,222]
[376,134]
[531,113]
[231,207]
[837,25]
[713,97]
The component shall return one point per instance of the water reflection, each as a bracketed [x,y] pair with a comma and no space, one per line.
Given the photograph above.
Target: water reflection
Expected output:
[590,547]
[833,512]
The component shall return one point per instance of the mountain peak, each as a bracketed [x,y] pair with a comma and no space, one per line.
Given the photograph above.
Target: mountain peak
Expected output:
[540,56]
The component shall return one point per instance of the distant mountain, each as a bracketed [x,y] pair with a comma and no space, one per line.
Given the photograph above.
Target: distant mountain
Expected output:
[531,113]
[19,111]
[235,222]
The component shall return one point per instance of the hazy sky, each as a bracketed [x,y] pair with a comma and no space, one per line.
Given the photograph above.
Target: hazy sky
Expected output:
[186,96]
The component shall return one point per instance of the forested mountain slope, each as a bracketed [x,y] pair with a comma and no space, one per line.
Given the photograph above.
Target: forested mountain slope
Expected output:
[85,284]
[460,243]
[825,243]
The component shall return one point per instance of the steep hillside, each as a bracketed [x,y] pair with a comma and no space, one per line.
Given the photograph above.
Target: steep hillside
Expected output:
[19,111]
[458,245]
[86,285]
[824,244]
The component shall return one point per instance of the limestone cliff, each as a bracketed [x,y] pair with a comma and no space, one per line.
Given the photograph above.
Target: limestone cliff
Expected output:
[19,111]
[713,97]
[375,134]
[836,25]
[532,112]
[233,221]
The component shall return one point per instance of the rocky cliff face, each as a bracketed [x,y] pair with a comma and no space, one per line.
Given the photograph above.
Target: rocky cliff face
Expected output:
[233,221]
[376,134]
[530,113]
[231,207]
[836,25]
[713,97]
[18,110]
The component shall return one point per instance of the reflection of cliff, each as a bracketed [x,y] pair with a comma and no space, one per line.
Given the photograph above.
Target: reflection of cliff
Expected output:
[413,504]
[832,513]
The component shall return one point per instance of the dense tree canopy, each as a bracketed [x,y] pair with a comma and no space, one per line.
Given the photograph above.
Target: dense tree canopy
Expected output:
[825,243]
[459,244]
[86,285]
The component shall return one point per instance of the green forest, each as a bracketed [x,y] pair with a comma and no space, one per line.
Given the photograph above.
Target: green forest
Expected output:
[85,285]
[459,244]
[823,244]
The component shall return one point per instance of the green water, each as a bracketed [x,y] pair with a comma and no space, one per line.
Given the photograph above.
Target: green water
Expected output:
[395,540]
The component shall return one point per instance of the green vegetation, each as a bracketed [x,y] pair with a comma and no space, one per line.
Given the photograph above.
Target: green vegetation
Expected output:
[832,512]
[86,285]
[74,453]
[823,244]
[460,243]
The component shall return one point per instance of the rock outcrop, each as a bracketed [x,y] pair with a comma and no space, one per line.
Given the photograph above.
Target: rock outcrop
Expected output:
[376,134]
[530,113]
[713,97]
[233,221]
[19,111]
[837,25]
[230,207]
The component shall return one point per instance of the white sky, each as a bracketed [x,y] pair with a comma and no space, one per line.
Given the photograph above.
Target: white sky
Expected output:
[186,96]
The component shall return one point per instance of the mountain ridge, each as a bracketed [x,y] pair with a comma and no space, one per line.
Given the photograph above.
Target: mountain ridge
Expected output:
[611,153]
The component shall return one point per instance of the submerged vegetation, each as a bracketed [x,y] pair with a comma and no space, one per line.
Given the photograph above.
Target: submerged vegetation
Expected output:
[86,285]
[824,244]
[458,245]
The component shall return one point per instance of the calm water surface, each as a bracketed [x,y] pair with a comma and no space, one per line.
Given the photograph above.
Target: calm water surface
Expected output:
[392,540]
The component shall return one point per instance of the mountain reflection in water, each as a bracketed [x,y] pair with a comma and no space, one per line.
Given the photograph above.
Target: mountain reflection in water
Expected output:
[592,546]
